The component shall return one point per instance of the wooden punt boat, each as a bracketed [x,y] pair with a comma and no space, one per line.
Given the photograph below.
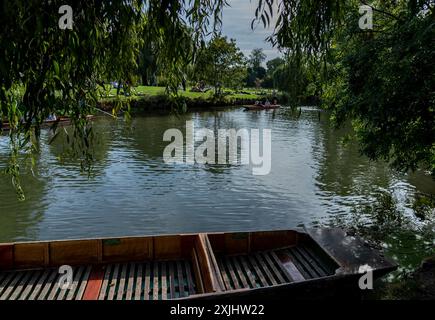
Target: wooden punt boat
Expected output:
[261,107]
[61,121]
[188,266]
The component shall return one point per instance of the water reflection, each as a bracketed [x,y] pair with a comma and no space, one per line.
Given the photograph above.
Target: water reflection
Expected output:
[315,179]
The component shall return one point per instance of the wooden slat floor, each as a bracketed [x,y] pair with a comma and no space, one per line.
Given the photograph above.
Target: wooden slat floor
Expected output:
[148,281]
[42,285]
[126,281]
[274,267]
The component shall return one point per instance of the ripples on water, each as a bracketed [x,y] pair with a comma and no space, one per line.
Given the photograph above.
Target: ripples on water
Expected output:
[131,191]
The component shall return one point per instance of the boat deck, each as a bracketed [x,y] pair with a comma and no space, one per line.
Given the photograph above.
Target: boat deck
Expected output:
[273,267]
[159,280]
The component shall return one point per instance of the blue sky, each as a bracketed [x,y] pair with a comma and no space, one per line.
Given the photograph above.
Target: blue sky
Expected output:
[237,25]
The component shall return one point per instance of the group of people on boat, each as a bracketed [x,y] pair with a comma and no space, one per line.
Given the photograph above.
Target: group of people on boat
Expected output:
[266,104]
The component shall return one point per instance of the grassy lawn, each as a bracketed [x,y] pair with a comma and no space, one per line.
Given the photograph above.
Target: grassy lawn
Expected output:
[155,91]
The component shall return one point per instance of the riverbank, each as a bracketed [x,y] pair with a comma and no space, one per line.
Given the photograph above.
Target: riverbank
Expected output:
[416,285]
[154,100]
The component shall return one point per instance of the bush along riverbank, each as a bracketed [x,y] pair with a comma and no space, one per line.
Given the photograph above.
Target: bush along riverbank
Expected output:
[164,104]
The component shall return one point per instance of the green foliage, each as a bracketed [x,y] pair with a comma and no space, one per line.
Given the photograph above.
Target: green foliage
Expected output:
[256,72]
[61,71]
[424,206]
[221,64]
[256,58]
[382,79]
[299,77]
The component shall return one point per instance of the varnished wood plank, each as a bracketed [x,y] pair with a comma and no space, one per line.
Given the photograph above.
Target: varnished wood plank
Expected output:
[147,281]
[122,280]
[291,268]
[275,271]
[131,278]
[94,283]
[269,240]
[74,252]
[167,247]
[211,276]
[20,285]
[258,271]
[113,283]
[32,283]
[127,249]
[83,283]
[173,291]
[233,276]
[138,291]
[240,272]
[190,282]
[180,279]
[31,255]
[11,286]
[281,266]
[248,271]
[264,266]
[197,271]
[217,277]
[156,281]
[105,284]
[227,281]
[6,256]
[164,281]
[40,284]
[50,282]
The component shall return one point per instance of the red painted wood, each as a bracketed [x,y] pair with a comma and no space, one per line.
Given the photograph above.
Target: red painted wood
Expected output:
[93,286]
[6,256]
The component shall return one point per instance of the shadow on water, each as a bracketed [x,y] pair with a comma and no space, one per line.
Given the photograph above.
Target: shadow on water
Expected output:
[316,180]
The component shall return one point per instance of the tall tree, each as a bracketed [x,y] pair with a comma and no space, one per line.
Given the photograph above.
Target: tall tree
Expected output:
[256,71]
[221,63]
[256,58]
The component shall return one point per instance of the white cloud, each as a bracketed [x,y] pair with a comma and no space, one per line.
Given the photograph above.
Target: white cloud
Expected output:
[237,20]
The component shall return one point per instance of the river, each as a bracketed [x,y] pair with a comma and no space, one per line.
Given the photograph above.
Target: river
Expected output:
[315,179]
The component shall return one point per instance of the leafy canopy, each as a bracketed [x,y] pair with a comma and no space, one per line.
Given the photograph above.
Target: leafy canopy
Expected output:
[45,70]
[221,63]
[382,79]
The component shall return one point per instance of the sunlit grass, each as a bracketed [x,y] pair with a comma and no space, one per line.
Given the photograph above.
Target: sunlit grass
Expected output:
[155,91]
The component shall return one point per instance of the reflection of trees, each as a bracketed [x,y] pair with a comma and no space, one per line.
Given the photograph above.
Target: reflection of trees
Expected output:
[341,168]
[19,219]
[342,172]
[104,132]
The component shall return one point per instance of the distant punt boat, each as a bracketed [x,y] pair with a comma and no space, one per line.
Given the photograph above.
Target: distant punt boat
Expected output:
[262,107]
[201,266]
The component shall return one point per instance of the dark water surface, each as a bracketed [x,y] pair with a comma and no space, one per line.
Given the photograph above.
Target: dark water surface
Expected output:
[315,180]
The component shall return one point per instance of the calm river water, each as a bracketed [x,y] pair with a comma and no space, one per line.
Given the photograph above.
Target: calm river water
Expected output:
[315,180]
